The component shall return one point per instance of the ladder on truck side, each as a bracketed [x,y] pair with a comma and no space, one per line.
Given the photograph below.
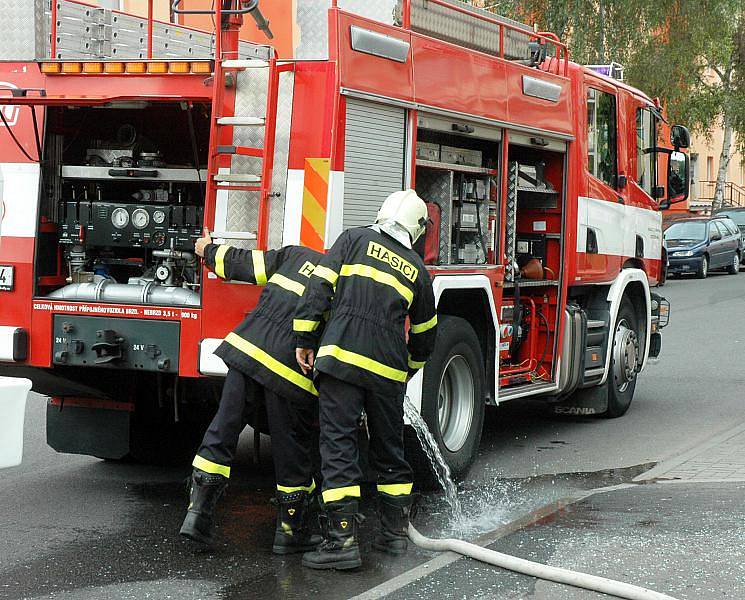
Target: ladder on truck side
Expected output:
[222,170]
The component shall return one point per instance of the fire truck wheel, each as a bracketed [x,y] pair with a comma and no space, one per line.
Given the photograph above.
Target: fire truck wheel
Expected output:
[452,400]
[625,355]
[703,270]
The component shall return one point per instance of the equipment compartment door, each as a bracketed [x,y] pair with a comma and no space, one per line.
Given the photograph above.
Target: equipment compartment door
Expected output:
[374,158]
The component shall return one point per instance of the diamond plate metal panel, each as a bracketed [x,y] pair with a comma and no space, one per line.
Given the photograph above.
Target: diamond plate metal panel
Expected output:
[243,207]
[378,10]
[312,21]
[23,32]
[436,186]
[511,221]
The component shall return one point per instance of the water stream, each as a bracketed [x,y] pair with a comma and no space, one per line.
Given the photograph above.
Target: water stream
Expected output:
[439,466]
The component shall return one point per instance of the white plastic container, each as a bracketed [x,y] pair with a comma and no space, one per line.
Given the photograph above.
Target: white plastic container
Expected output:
[13,394]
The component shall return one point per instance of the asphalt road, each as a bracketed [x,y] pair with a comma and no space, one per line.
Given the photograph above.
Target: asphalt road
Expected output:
[76,527]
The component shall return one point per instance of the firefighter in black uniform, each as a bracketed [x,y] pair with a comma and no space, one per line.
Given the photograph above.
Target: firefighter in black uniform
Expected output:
[371,280]
[261,366]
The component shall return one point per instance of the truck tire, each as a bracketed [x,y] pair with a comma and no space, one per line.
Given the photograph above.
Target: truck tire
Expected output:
[452,401]
[734,266]
[703,270]
[625,347]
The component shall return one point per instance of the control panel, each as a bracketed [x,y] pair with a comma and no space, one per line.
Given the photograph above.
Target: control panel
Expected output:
[136,344]
[119,224]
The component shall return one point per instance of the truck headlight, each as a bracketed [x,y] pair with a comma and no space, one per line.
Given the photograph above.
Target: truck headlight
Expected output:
[683,254]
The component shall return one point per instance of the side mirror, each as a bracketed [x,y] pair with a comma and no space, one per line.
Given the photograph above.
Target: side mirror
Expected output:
[679,137]
[678,177]
[715,236]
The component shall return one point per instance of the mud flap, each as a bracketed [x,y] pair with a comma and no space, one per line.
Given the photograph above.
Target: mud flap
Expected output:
[584,402]
[84,430]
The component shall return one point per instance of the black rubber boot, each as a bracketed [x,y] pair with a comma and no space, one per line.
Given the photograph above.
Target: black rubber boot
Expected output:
[394,512]
[339,549]
[293,533]
[204,492]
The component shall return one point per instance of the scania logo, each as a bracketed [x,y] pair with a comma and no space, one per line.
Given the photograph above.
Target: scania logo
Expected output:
[9,112]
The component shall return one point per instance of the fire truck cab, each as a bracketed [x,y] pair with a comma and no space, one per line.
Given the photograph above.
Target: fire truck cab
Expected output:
[123,137]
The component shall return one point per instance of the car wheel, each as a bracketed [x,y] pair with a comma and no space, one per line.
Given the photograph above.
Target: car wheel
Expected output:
[703,270]
[626,349]
[452,400]
[734,267]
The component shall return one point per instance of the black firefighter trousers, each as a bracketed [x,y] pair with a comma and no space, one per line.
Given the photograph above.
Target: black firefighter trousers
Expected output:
[291,426]
[340,406]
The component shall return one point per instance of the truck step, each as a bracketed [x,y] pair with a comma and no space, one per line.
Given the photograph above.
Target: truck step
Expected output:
[242,121]
[241,151]
[594,324]
[240,65]
[236,178]
[234,235]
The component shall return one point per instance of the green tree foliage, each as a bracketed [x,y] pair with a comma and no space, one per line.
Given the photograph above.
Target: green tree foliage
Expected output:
[689,53]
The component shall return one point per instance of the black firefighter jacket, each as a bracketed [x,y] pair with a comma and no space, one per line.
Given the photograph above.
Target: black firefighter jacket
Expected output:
[263,345]
[370,283]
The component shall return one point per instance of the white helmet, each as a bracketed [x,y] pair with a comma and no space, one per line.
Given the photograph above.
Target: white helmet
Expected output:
[407,210]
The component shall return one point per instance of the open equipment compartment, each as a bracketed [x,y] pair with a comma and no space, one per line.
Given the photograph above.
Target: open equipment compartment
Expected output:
[123,203]
[534,240]
[457,174]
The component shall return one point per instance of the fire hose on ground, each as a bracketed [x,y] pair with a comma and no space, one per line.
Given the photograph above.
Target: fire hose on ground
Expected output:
[527,567]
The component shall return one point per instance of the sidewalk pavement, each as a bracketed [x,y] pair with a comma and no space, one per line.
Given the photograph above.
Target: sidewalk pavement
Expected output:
[680,531]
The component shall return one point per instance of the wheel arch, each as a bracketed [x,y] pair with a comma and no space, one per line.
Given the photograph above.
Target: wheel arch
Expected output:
[468,297]
[634,285]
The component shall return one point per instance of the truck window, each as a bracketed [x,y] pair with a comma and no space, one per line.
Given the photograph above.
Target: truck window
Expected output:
[646,135]
[601,136]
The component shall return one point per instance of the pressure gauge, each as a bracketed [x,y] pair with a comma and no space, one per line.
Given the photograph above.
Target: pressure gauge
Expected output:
[140,218]
[159,216]
[120,218]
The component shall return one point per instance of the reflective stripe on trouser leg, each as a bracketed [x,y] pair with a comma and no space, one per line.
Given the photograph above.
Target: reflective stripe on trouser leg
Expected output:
[350,491]
[395,489]
[289,489]
[208,466]
[220,441]
[291,427]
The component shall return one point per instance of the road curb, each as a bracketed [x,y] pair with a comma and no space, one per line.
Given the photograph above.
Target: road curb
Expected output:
[668,465]
[443,560]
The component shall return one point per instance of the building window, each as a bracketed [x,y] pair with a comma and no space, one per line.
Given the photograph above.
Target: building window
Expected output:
[709,168]
[646,163]
[601,136]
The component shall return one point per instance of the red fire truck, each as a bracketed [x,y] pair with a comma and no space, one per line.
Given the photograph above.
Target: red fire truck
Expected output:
[122,137]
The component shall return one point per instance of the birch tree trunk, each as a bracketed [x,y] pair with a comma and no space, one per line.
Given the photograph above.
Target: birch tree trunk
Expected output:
[724,158]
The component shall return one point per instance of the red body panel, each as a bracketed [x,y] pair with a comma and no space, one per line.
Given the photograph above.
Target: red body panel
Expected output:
[436,74]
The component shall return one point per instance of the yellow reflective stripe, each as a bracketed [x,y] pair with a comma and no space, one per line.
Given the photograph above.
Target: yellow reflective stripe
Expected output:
[380,277]
[271,363]
[305,325]
[396,489]
[351,491]
[363,362]
[297,488]
[326,273]
[257,256]
[422,327]
[220,261]
[414,364]
[209,467]
[287,284]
